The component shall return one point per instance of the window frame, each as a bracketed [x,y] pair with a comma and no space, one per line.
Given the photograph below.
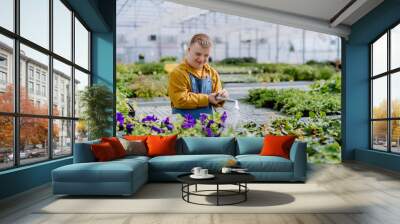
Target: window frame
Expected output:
[388,74]
[16,114]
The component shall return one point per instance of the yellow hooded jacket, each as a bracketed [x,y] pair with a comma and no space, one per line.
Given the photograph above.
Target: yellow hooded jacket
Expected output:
[179,86]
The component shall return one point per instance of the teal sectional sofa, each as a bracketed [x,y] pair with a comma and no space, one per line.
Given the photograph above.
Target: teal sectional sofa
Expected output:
[125,176]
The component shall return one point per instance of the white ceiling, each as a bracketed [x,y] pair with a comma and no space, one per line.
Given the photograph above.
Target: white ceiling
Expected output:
[315,15]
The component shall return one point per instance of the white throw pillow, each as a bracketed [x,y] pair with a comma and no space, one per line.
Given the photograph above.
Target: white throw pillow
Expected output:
[134,147]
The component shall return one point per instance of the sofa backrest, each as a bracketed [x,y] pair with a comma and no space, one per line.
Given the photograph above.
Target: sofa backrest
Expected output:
[206,145]
[83,153]
[249,145]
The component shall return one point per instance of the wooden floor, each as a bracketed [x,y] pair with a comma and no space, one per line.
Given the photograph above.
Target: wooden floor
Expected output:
[377,188]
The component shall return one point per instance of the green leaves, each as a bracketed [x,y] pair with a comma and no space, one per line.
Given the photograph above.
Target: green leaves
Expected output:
[142,80]
[96,102]
[323,98]
[321,133]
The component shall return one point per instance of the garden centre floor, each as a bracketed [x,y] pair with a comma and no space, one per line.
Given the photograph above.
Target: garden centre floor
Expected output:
[378,190]
[161,106]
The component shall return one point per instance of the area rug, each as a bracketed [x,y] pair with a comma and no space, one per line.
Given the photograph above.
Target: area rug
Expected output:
[166,198]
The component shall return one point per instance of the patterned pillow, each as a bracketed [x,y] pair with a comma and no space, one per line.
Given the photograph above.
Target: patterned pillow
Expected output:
[134,147]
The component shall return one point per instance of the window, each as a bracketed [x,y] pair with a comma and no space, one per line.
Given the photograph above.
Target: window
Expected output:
[81,81]
[30,87]
[7,14]
[3,72]
[81,45]
[35,22]
[3,78]
[62,29]
[62,74]
[37,89]
[30,72]
[33,148]
[6,73]
[54,125]
[44,91]
[37,74]
[385,97]
[3,61]
[62,140]
[7,142]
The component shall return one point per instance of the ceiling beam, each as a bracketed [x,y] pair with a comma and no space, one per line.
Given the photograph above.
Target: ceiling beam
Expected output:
[346,12]
[268,15]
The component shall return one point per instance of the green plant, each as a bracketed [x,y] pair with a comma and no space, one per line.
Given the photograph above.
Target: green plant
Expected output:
[148,86]
[332,85]
[237,61]
[322,134]
[96,102]
[323,97]
[148,68]
[168,59]
[122,103]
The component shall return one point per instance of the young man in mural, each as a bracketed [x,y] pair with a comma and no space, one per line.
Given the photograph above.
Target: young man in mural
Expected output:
[194,86]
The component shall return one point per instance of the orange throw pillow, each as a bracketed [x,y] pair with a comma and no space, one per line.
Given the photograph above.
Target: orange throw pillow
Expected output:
[103,152]
[116,145]
[161,145]
[277,145]
[136,137]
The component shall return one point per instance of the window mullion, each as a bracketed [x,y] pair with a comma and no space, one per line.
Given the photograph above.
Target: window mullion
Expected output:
[73,82]
[16,84]
[50,81]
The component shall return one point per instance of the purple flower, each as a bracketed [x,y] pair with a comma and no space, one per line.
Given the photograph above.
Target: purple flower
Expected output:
[129,128]
[224,116]
[166,121]
[210,122]
[189,121]
[209,132]
[150,118]
[156,129]
[203,118]
[120,118]
[120,127]
[170,127]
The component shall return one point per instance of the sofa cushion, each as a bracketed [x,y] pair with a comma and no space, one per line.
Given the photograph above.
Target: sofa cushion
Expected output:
[207,145]
[277,145]
[132,158]
[83,153]
[103,152]
[161,145]
[116,145]
[249,145]
[185,163]
[257,163]
[134,147]
[136,137]
[111,171]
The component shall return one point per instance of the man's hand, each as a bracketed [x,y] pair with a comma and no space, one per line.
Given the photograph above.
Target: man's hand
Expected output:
[212,98]
[223,93]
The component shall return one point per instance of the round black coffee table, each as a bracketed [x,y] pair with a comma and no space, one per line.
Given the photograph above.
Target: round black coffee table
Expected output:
[238,179]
